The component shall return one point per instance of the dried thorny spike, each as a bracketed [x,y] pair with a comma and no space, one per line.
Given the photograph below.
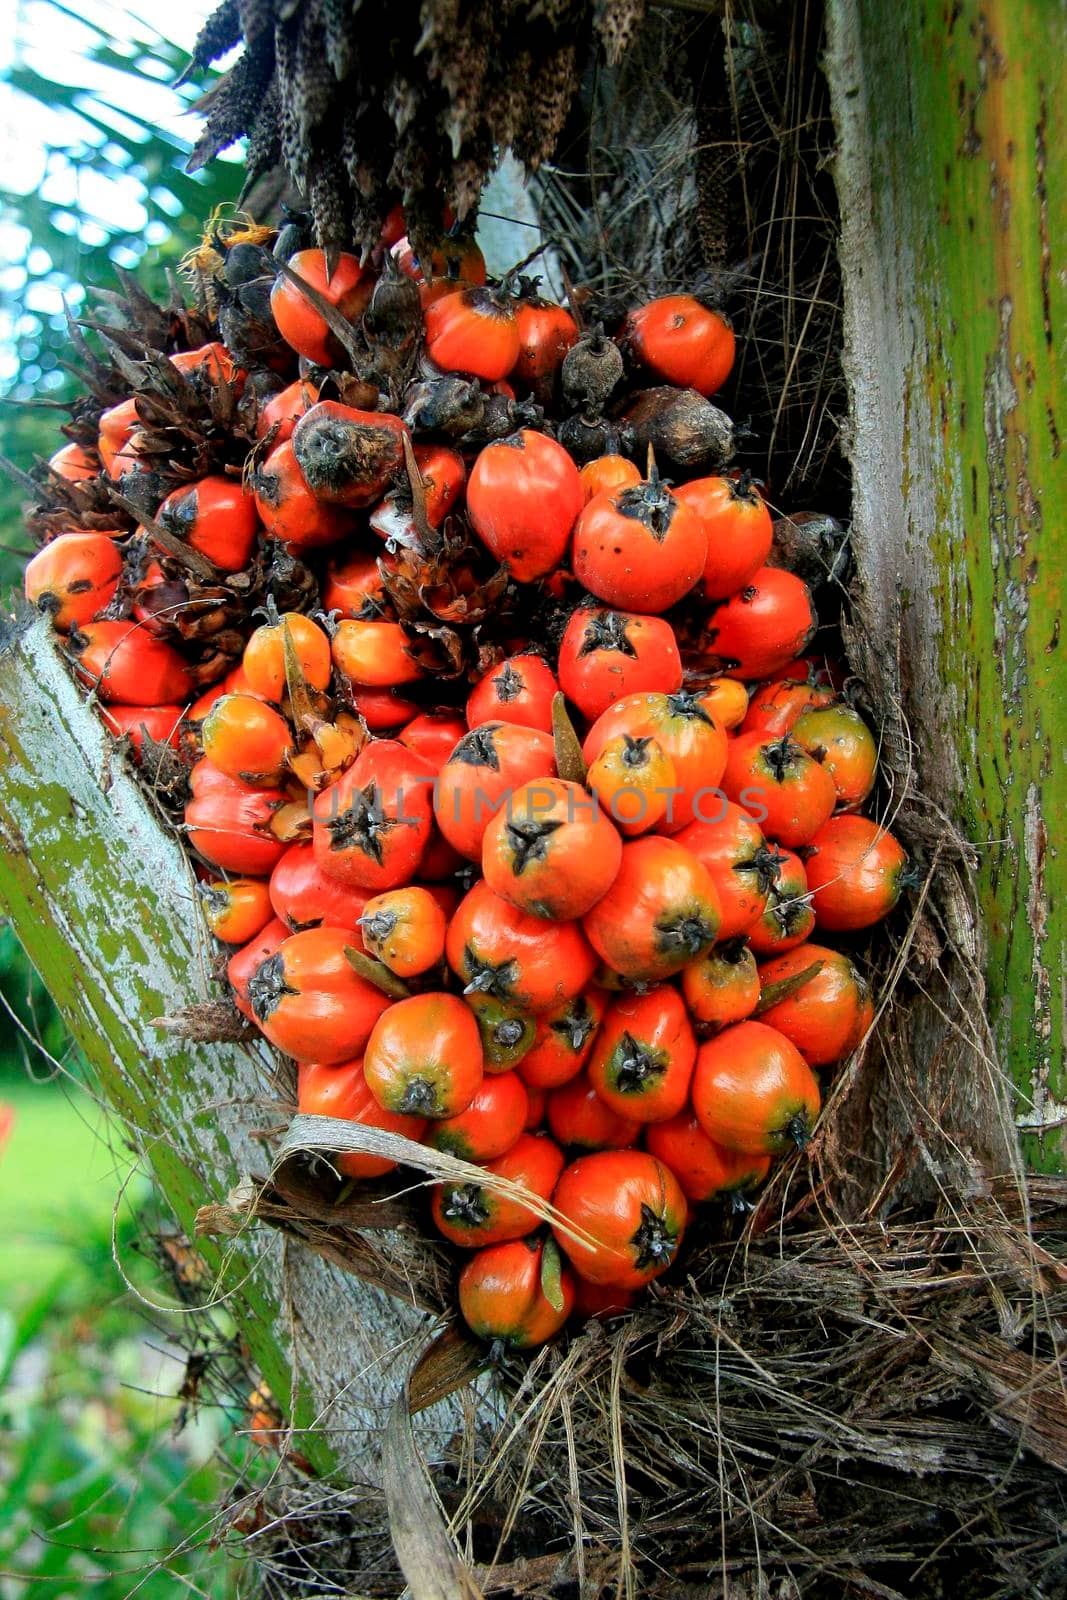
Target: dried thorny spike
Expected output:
[418,118]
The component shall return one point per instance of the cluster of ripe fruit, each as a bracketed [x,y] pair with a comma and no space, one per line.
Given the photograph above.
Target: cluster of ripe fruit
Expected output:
[551,910]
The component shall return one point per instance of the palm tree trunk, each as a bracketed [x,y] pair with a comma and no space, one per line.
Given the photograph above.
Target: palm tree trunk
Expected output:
[952,171]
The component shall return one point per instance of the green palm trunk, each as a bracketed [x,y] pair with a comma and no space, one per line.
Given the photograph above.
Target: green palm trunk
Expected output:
[952,175]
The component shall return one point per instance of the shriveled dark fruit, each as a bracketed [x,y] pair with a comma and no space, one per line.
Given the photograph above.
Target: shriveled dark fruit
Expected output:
[682,428]
[813,544]
[246,322]
[587,439]
[503,416]
[591,370]
[446,407]
[391,328]
[347,456]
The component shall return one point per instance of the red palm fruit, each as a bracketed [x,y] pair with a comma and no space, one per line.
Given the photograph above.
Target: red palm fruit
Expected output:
[161,723]
[383,710]
[283,410]
[727,701]
[213,360]
[760,628]
[373,824]
[738,529]
[490,1125]
[303,896]
[856,872]
[117,426]
[703,1168]
[353,586]
[424,1057]
[523,498]
[520,690]
[607,654]
[535,1110]
[743,867]
[607,475]
[473,1214]
[374,654]
[813,669]
[215,516]
[551,851]
[563,1040]
[347,457]
[789,918]
[722,987]
[455,256]
[581,1120]
[507,1031]
[443,475]
[527,961]
[643,1056]
[347,287]
[840,741]
[682,341]
[546,333]
[123,662]
[687,732]
[405,929]
[309,1000]
[228,821]
[264,657]
[246,738]
[630,1207]
[237,909]
[776,781]
[342,1091]
[825,1006]
[778,705]
[473,330]
[502,1293]
[434,735]
[288,509]
[486,767]
[601,1300]
[660,913]
[73,578]
[74,463]
[640,548]
[242,967]
[439,861]
[635,781]
[753,1092]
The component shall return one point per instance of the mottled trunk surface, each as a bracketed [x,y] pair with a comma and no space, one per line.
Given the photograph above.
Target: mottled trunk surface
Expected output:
[102,896]
[952,170]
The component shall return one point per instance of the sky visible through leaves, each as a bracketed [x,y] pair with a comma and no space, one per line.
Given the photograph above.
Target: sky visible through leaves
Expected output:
[93,138]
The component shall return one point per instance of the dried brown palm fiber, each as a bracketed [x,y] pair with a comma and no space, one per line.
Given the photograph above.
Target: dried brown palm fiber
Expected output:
[812,1408]
[437,93]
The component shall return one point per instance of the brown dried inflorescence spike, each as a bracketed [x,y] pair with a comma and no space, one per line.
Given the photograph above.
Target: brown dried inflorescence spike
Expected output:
[418,118]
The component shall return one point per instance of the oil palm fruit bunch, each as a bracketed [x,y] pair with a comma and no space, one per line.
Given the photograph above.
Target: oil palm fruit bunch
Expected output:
[529,821]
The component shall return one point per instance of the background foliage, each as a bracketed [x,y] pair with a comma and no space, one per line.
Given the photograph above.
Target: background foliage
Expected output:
[94,137]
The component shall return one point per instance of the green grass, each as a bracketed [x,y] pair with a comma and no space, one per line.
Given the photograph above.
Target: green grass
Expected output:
[58,1182]
[100,1496]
